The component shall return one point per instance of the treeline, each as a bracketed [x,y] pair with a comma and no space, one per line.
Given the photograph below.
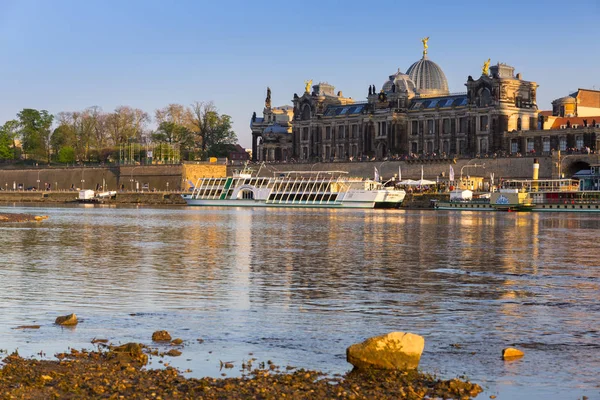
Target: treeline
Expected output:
[93,135]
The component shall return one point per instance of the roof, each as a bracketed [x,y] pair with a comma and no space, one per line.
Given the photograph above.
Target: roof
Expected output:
[558,122]
[428,77]
[350,109]
[441,102]
[546,113]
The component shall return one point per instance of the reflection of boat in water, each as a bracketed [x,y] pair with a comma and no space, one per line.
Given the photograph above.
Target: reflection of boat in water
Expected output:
[331,189]
[466,200]
[90,196]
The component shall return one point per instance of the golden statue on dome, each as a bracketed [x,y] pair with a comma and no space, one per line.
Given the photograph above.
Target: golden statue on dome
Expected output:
[308,85]
[486,67]
[425,47]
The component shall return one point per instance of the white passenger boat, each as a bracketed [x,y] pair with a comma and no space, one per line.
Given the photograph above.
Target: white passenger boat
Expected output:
[330,189]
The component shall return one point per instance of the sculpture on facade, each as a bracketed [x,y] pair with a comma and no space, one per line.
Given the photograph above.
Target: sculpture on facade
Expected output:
[425,47]
[370,90]
[254,116]
[486,67]
[307,86]
[268,99]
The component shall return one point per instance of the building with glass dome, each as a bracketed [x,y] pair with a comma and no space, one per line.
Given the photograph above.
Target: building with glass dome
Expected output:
[413,113]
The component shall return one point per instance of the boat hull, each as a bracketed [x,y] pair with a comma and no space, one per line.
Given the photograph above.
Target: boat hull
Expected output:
[262,203]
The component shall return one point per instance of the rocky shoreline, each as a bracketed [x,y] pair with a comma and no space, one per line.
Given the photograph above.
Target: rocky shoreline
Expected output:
[13,217]
[117,372]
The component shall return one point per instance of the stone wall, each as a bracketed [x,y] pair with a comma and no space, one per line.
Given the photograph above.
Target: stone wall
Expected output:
[514,167]
[193,172]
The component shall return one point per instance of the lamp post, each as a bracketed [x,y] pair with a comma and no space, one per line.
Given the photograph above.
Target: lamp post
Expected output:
[82,180]
[38,181]
[560,160]
[467,165]
[131,177]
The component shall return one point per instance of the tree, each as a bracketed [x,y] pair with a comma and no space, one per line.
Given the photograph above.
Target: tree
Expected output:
[214,131]
[35,131]
[66,155]
[5,142]
[10,130]
[126,124]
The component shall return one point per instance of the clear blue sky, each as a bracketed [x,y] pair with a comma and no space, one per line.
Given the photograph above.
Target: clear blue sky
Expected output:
[68,55]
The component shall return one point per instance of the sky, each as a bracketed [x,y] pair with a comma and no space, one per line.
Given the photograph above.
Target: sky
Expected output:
[68,55]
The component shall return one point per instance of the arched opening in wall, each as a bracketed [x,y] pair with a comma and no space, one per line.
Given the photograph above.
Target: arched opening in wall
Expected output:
[569,169]
[305,112]
[519,123]
[485,97]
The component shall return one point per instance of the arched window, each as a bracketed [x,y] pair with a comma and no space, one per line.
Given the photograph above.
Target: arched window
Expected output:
[485,97]
[305,112]
[519,123]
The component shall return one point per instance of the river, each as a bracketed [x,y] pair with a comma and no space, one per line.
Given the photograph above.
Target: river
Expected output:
[299,286]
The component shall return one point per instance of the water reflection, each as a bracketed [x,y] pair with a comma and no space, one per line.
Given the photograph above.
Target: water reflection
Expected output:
[299,286]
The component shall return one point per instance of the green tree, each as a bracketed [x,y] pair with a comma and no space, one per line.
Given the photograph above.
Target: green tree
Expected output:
[11,130]
[213,130]
[5,151]
[66,155]
[36,133]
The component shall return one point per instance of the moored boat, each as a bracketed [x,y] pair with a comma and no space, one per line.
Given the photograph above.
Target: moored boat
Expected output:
[321,189]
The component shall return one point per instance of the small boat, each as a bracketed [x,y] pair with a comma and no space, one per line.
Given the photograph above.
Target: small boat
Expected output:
[90,196]
[466,200]
[319,189]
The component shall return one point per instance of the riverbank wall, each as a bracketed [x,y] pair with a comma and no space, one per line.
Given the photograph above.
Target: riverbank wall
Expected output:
[165,178]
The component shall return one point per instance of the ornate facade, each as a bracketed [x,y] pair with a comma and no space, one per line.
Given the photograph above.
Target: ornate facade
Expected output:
[272,134]
[414,114]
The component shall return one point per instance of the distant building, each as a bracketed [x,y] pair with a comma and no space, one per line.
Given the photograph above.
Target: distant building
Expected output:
[413,114]
[272,133]
[238,154]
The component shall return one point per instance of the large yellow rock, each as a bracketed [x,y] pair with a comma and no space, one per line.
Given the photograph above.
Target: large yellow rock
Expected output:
[396,350]
[511,352]
[70,319]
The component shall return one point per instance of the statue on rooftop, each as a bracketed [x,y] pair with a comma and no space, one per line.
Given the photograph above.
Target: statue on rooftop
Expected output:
[425,47]
[486,67]
[308,85]
[268,99]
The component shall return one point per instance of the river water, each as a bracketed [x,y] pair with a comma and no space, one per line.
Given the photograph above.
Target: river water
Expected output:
[299,286]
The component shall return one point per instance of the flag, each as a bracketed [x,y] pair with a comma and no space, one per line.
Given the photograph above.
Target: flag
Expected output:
[376,174]
[399,173]
[451,175]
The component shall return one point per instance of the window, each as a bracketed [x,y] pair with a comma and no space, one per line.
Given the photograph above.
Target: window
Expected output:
[341,132]
[354,131]
[483,123]
[430,126]
[446,125]
[514,146]
[579,141]
[414,147]
[483,146]
[530,145]
[415,128]
[304,133]
[562,144]
[546,145]
[519,122]
[462,125]
[328,133]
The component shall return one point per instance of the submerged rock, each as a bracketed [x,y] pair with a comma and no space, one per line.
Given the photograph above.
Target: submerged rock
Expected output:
[395,350]
[70,319]
[511,352]
[161,336]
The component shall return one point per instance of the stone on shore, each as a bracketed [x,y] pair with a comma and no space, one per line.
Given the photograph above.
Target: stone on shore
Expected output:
[129,352]
[510,353]
[70,319]
[395,350]
[161,336]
